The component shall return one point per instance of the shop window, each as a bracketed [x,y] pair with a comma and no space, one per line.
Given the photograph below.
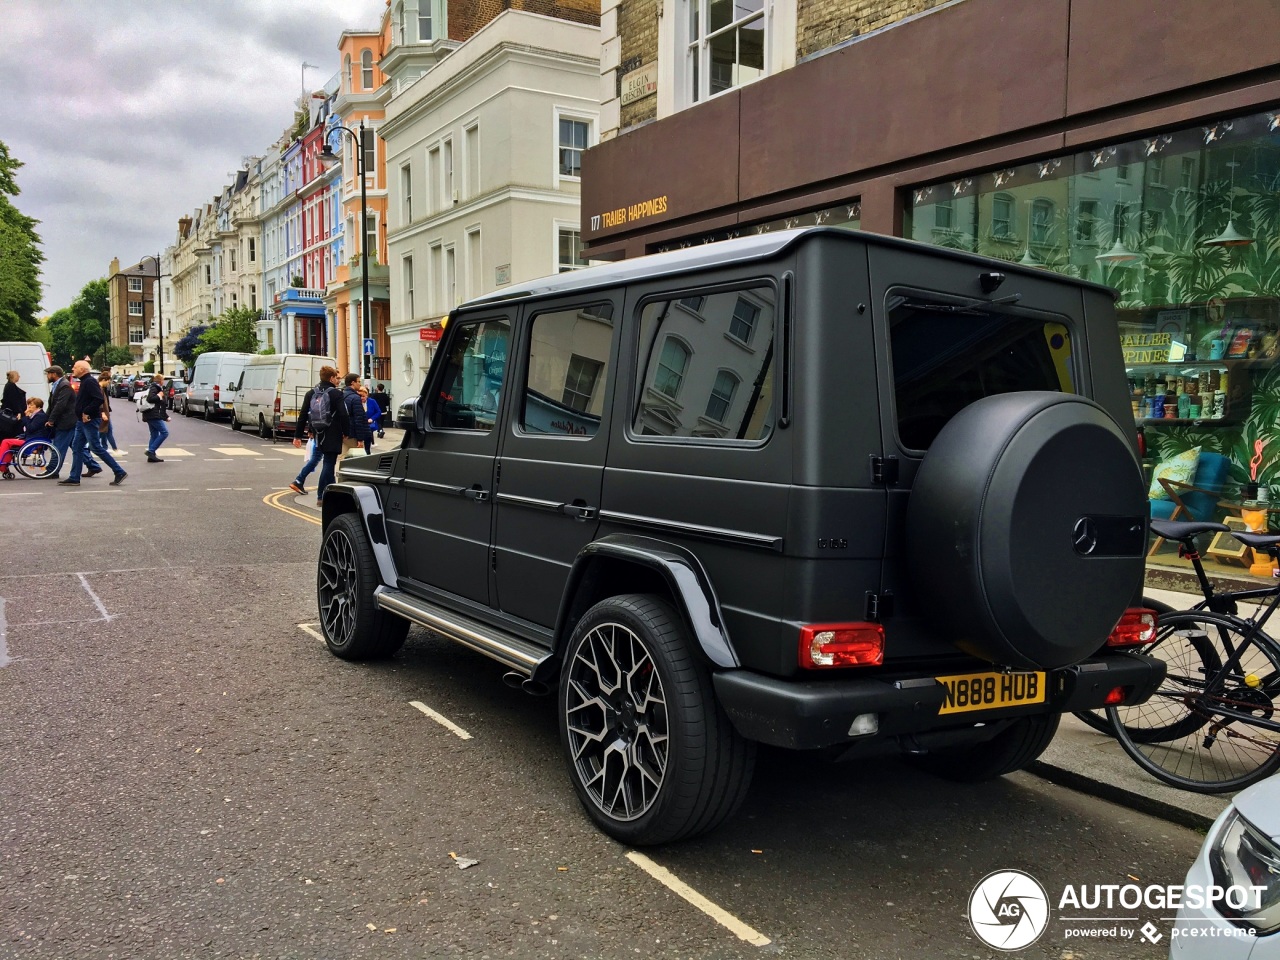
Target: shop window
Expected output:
[1087,221]
[1002,217]
[726,45]
[684,353]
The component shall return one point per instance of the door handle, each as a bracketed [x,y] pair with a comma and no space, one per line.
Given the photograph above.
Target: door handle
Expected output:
[475,493]
[579,510]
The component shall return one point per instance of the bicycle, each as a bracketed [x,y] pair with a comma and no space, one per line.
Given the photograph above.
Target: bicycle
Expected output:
[1211,725]
[35,460]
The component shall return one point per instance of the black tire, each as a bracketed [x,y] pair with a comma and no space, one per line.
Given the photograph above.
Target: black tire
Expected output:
[1009,750]
[186,409]
[263,430]
[236,424]
[685,769]
[1181,736]
[1098,718]
[208,414]
[346,577]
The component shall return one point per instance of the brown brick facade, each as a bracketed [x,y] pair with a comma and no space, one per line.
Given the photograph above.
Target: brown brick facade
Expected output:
[638,31]
[824,23]
[468,16]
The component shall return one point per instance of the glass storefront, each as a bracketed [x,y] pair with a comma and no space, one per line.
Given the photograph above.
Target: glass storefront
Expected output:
[1186,225]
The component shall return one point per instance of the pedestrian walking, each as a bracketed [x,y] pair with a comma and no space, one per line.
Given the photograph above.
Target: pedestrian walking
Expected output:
[383,400]
[109,425]
[15,398]
[324,417]
[88,415]
[155,414]
[62,420]
[373,414]
[358,432]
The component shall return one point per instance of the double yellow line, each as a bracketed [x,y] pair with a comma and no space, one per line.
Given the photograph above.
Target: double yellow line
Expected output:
[273,500]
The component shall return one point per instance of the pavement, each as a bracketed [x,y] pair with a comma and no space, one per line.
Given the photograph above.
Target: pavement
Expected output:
[1091,762]
[1080,757]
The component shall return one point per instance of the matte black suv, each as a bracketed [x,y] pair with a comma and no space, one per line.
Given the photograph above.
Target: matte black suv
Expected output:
[818,489]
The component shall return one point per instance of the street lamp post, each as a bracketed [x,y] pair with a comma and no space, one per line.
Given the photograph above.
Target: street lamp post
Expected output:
[155,292]
[365,324]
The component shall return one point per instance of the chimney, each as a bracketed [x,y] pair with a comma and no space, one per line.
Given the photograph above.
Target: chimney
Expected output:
[115,266]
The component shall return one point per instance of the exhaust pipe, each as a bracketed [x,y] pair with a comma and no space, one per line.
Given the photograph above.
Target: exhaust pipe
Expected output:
[519,681]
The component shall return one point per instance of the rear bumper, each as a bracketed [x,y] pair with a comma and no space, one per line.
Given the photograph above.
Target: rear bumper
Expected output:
[818,713]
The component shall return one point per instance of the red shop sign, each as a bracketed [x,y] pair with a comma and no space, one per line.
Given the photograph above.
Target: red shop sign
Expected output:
[429,333]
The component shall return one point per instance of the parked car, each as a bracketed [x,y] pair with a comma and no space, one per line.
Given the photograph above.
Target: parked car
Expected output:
[1241,850]
[211,386]
[817,489]
[271,390]
[172,387]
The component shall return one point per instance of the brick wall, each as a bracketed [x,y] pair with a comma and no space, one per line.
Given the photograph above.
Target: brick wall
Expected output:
[824,23]
[638,28]
[468,16]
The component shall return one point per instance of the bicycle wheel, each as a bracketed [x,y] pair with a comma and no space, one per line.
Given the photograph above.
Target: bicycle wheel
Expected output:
[1098,718]
[37,460]
[1182,736]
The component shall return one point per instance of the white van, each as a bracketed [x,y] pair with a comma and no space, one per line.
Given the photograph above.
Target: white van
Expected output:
[211,387]
[271,389]
[30,360]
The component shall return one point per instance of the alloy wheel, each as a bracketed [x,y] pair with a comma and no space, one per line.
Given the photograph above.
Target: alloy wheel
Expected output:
[337,588]
[616,716]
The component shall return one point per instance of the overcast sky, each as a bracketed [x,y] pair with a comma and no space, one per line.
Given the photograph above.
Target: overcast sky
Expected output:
[130,113]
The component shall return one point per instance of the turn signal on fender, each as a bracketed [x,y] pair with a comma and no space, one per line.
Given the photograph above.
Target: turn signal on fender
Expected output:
[841,645]
[1136,627]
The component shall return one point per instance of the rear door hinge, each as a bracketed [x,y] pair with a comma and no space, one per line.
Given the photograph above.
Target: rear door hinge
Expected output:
[884,471]
[879,605]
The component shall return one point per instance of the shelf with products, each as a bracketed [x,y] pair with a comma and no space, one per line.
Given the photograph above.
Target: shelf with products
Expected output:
[1204,393]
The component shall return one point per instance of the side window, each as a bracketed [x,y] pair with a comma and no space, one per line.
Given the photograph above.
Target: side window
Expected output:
[946,356]
[471,383]
[564,394]
[706,366]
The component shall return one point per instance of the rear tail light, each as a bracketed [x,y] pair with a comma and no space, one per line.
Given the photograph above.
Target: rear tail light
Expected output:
[1116,696]
[215,393]
[841,645]
[1136,628]
[277,406]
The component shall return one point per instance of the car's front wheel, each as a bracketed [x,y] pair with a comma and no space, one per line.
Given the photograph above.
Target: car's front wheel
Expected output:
[652,756]
[346,577]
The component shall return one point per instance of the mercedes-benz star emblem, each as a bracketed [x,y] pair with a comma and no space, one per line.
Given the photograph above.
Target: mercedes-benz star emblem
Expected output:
[1085,536]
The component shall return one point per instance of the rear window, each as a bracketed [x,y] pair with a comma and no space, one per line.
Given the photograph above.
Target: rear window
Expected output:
[948,353]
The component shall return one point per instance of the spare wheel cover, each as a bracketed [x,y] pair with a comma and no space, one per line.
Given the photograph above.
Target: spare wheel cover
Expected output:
[1027,525]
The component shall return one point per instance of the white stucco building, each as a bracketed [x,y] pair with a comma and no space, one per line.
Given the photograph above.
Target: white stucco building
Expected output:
[483,173]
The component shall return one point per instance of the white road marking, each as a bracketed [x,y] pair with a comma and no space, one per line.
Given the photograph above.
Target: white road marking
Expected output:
[272,459]
[175,452]
[443,721]
[217,459]
[163,489]
[94,597]
[5,659]
[236,451]
[682,889]
[33,494]
[308,628]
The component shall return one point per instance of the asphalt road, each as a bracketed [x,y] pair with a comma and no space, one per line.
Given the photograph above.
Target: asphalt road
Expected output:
[187,772]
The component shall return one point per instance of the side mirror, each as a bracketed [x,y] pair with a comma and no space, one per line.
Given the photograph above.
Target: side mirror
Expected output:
[407,415]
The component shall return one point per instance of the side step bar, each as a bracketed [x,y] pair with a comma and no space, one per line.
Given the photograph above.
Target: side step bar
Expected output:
[508,649]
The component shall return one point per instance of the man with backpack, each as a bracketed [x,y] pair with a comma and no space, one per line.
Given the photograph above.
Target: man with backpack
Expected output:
[154,415]
[324,416]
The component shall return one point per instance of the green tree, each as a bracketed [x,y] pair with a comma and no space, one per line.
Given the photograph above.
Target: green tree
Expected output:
[235,331]
[79,330]
[20,259]
[109,355]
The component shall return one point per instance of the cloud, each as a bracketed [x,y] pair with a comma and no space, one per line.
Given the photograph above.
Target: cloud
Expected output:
[132,114]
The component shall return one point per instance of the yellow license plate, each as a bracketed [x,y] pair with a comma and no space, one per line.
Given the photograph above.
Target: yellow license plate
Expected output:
[989,691]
